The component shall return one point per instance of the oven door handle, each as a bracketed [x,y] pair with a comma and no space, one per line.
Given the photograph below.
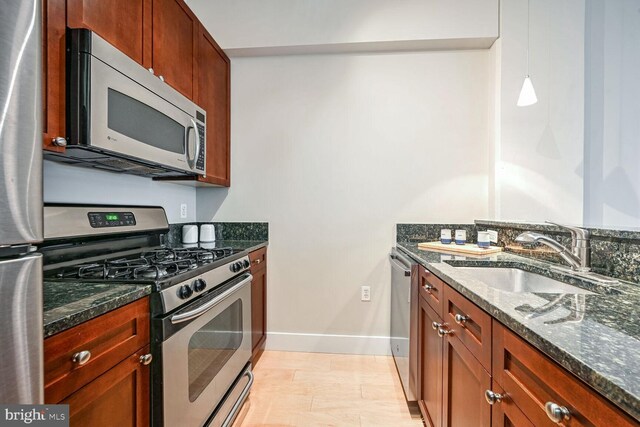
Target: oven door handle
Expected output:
[189,315]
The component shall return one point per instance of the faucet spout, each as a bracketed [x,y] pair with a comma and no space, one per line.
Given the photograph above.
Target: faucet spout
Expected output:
[530,237]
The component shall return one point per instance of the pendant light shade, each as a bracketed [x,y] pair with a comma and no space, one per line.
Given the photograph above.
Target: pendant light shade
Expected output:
[527,93]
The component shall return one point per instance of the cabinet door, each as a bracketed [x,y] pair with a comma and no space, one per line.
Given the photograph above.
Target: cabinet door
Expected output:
[505,413]
[53,69]
[258,311]
[119,397]
[175,35]
[531,380]
[465,382]
[213,95]
[429,365]
[126,24]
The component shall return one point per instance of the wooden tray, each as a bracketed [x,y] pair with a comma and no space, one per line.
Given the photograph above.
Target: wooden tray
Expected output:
[467,248]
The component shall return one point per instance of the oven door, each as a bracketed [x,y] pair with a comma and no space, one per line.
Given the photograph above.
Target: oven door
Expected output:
[201,360]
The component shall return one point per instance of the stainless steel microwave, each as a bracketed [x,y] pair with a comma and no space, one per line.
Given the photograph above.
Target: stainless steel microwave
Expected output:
[122,117]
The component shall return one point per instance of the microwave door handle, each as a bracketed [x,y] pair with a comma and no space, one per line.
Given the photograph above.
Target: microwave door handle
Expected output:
[189,315]
[194,126]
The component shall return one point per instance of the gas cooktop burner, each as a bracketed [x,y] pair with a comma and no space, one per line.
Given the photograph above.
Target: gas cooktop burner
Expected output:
[148,265]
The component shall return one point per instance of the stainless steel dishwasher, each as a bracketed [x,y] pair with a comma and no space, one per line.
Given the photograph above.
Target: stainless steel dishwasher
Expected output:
[401,334]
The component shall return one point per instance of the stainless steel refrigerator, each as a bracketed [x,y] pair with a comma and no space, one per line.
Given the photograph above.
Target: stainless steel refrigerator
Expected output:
[21,342]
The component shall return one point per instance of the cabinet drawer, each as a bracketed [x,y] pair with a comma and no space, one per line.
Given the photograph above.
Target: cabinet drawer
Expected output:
[432,290]
[531,380]
[470,324]
[109,339]
[258,258]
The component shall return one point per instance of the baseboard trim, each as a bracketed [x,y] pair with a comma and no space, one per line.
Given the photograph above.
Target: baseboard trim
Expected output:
[327,343]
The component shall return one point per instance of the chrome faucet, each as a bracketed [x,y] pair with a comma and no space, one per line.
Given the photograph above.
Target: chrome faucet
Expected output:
[578,257]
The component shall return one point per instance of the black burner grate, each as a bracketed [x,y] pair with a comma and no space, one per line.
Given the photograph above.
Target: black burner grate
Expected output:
[149,265]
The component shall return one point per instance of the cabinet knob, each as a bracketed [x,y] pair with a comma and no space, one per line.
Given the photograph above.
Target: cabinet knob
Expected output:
[145,359]
[493,397]
[436,325]
[161,78]
[257,261]
[442,332]
[557,413]
[82,357]
[59,141]
[427,288]
[151,71]
[460,319]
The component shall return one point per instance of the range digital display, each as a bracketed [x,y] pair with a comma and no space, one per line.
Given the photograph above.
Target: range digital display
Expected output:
[111,219]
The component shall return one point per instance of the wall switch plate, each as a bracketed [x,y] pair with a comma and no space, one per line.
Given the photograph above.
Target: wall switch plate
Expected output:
[365,293]
[183,210]
[493,236]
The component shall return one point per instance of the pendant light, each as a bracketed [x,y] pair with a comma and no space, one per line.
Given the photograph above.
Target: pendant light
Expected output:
[527,93]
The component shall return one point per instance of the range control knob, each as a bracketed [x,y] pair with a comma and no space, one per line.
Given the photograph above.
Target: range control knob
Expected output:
[235,267]
[246,263]
[185,291]
[199,285]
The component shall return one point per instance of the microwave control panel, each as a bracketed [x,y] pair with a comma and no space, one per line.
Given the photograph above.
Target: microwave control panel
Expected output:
[111,219]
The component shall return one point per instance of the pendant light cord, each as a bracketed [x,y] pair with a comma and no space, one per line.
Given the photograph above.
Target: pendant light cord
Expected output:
[528,32]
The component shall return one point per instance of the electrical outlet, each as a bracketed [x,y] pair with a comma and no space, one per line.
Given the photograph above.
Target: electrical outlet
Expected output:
[365,293]
[493,236]
[183,210]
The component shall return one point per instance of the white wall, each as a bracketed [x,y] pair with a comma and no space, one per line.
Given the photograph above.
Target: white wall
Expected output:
[539,149]
[256,26]
[333,151]
[612,147]
[72,184]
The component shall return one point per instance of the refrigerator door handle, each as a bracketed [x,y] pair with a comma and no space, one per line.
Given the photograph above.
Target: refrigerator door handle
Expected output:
[21,340]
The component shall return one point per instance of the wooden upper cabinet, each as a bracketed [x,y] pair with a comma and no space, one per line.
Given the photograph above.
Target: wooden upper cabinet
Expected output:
[53,72]
[126,24]
[175,38]
[213,92]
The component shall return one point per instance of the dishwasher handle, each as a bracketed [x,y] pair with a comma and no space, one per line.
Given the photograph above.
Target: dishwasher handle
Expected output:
[403,265]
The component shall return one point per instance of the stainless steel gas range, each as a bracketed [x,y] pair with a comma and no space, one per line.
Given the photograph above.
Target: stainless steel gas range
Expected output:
[200,304]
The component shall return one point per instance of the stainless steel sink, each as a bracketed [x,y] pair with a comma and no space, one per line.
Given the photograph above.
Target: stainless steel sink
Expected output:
[516,280]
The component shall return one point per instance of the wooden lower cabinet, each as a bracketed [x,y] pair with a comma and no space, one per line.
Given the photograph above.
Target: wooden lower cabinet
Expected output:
[505,413]
[464,383]
[430,366]
[258,302]
[531,380]
[100,368]
[119,397]
[454,375]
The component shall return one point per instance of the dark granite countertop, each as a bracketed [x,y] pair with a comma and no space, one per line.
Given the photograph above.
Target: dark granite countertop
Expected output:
[69,303]
[595,336]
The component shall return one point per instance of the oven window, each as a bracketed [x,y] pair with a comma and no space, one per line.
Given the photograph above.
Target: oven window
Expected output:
[138,121]
[211,346]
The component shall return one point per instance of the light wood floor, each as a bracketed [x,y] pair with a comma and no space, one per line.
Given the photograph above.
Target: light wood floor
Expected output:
[315,389]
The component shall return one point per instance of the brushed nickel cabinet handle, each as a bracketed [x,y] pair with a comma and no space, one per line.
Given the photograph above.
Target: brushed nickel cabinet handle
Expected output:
[145,359]
[436,325]
[460,319]
[493,397]
[59,141]
[557,413]
[427,288]
[82,357]
[257,261]
[442,332]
